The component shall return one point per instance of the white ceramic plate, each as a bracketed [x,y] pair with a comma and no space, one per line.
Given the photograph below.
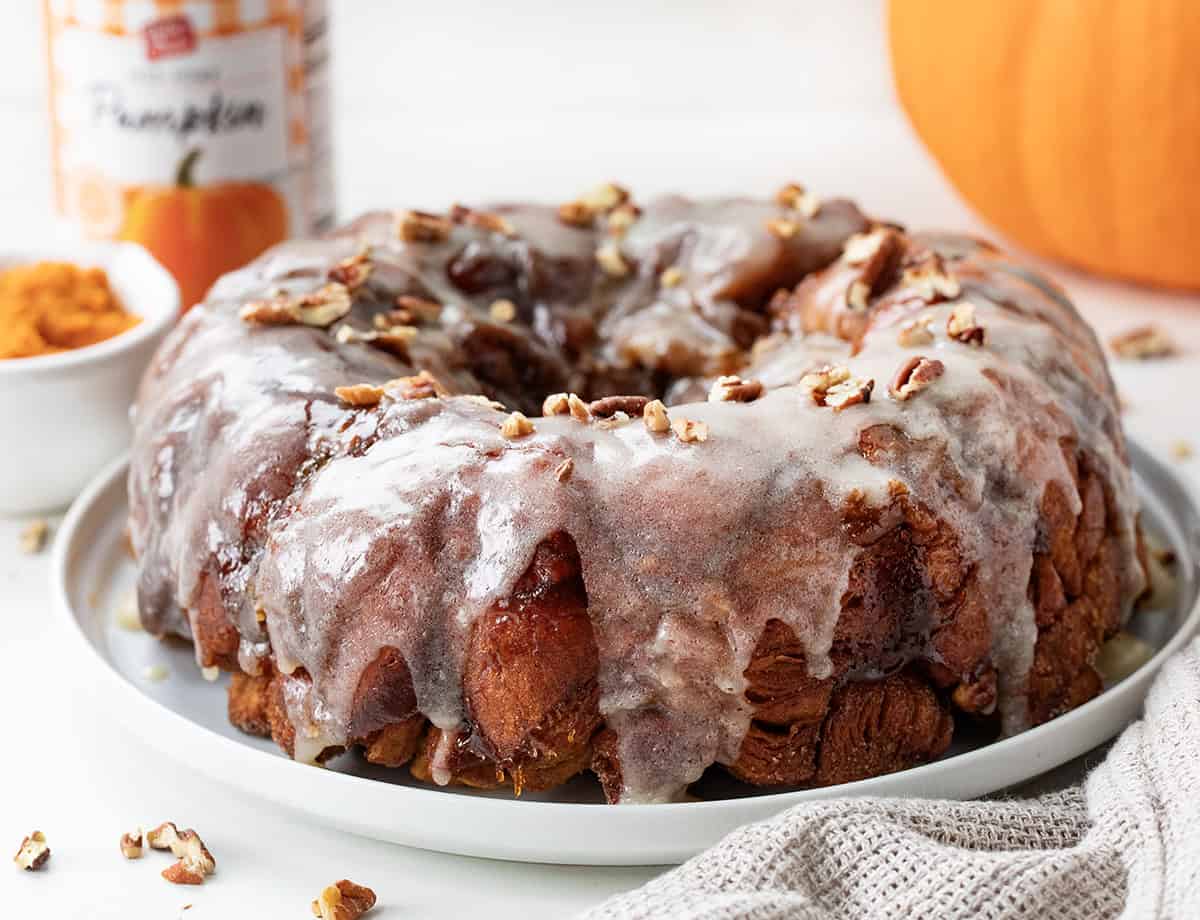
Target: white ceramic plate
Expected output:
[184,717]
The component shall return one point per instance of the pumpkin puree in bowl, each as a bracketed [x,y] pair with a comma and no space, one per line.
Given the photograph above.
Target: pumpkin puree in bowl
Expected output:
[48,307]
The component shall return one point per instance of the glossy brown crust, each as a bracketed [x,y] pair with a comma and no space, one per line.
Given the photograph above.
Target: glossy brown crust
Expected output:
[1075,590]
[806,732]
[529,682]
[396,744]
[249,698]
[530,679]
[215,637]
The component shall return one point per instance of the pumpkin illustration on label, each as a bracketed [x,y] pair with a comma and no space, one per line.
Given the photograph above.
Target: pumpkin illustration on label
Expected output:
[200,232]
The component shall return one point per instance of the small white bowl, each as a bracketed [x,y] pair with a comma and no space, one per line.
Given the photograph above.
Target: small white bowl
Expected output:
[66,415]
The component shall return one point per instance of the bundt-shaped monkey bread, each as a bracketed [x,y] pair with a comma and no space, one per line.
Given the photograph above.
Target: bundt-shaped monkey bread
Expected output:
[509,495]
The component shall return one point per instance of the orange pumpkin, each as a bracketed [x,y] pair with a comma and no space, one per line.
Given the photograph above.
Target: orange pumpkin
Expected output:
[1071,125]
[201,232]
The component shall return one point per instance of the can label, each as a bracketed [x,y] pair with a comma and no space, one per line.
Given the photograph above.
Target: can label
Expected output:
[198,128]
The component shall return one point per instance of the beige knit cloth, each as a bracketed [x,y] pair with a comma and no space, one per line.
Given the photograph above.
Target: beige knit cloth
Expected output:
[1125,843]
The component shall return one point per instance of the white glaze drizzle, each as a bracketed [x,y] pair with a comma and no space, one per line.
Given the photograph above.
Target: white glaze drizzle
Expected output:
[687,549]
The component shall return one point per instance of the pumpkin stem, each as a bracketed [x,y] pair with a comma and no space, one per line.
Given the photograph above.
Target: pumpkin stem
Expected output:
[183,175]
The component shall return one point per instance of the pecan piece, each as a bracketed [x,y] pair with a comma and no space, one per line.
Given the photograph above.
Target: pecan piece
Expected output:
[360,395]
[848,393]
[556,404]
[348,334]
[418,308]
[611,405]
[354,271]
[422,385]
[321,308]
[917,332]
[962,326]
[879,253]
[654,416]
[384,322]
[931,280]
[270,311]
[606,197]
[565,470]
[578,409]
[611,261]
[672,276]
[1142,343]
[834,386]
[566,404]
[860,247]
[324,306]
[131,844]
[194,863]
[33,853]
[822,378]
[782,228]
[978,695]
[33,536]
[733,388]
[423,227]
[484,220]
[689,430]
[480,400]
[622,217]
[576,214]
[915,375]
[392,339]
[516,426]
[795,197]
[343,900]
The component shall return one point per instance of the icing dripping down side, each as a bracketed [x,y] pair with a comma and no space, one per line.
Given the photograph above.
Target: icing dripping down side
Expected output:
[327,535]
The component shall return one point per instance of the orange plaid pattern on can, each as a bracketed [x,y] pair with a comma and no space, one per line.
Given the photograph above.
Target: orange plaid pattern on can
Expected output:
[208,17]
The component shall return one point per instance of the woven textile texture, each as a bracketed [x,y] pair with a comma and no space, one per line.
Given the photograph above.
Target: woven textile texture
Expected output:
[1125,843]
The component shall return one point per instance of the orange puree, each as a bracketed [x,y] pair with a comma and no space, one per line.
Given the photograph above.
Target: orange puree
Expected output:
[55,306]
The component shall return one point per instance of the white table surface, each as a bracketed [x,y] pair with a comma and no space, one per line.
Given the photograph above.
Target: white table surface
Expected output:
[564,116]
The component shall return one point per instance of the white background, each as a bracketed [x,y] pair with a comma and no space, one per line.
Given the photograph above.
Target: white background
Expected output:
[475,102]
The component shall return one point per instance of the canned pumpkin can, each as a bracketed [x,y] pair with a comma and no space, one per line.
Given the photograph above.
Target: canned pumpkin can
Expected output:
[198,128]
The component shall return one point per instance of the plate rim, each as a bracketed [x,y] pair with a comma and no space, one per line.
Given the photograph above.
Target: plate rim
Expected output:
[142,714]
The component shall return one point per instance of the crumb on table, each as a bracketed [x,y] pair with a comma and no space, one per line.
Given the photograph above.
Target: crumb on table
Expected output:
[33,536]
